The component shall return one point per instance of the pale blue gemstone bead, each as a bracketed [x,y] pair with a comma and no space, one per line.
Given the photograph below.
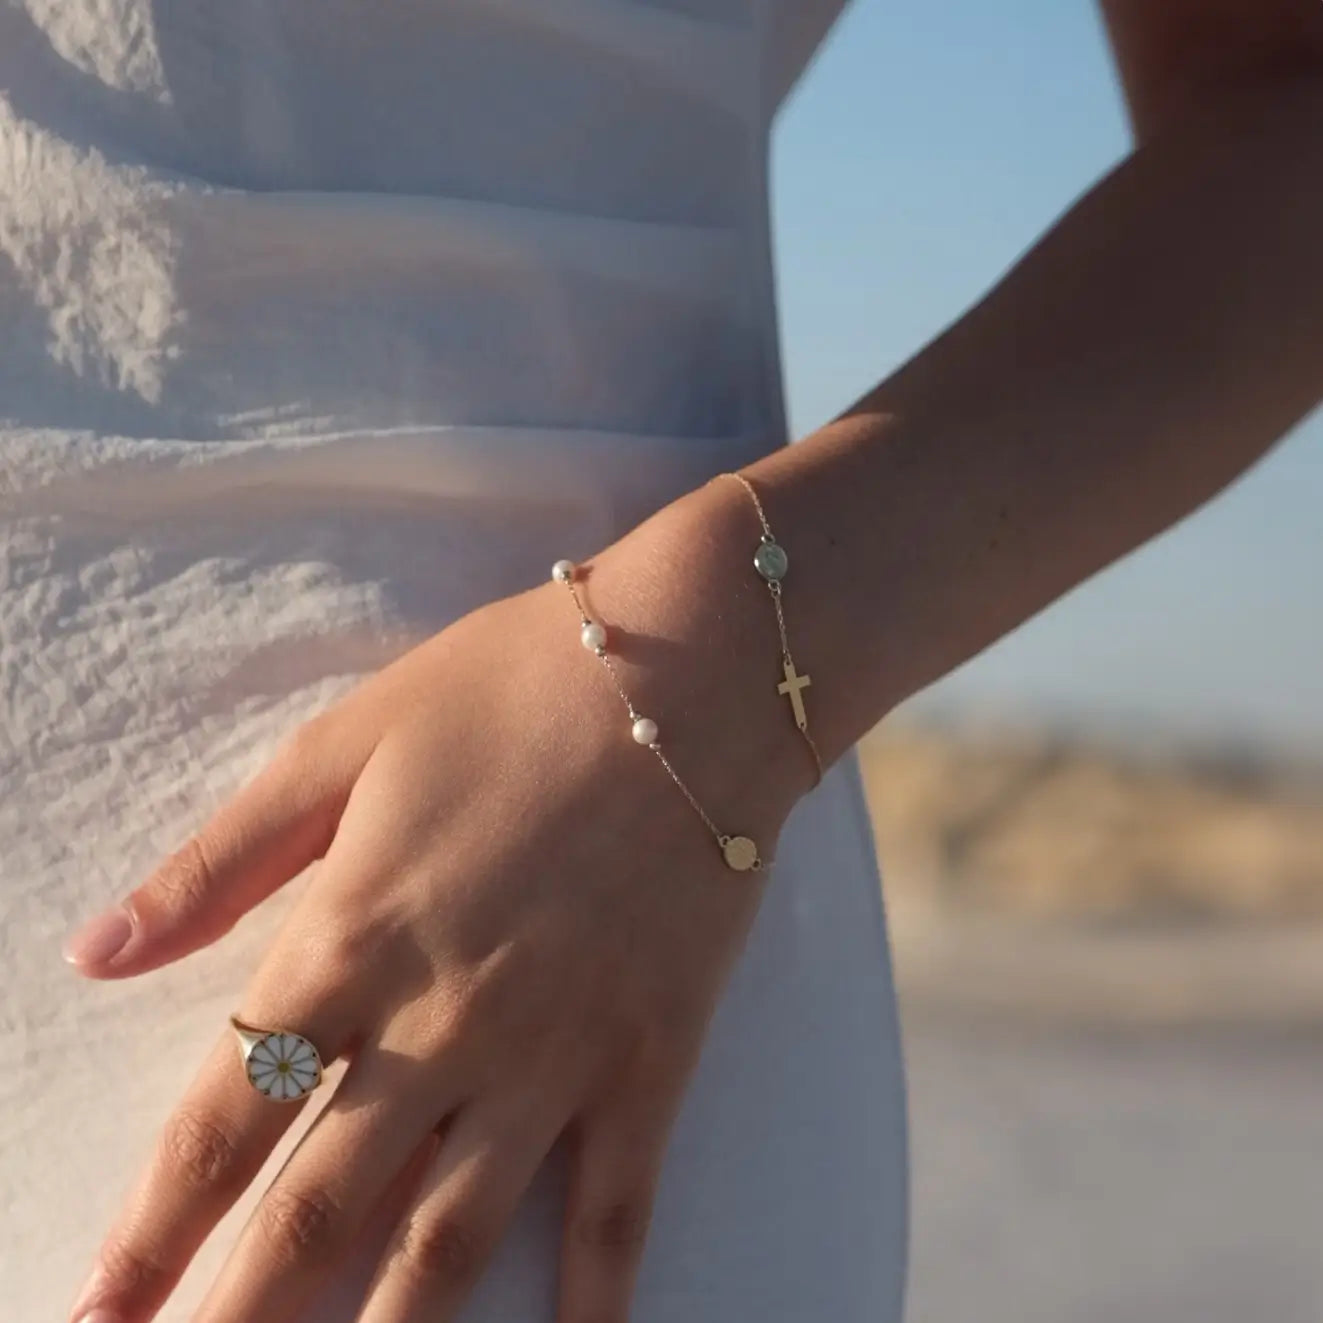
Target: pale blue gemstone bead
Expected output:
[771,561]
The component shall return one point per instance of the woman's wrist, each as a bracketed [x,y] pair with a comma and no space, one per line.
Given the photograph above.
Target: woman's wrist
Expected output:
[695,639]
[860,565]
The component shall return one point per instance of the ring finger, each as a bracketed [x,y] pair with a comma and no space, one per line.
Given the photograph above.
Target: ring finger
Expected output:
[310,1217]
[209,1151]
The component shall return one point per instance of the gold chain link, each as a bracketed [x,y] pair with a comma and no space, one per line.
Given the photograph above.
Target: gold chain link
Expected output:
[739,851]
[721,838]
[775,590]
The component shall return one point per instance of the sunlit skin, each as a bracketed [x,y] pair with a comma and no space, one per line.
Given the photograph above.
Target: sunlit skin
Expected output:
[517,930]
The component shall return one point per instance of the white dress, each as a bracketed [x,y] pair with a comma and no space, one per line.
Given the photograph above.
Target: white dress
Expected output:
[320,323]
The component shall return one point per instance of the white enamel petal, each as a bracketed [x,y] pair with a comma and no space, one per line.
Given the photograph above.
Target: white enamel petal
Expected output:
[288,1046]
[263,1077]
[305,1079]
[263,1054]
[259,1068]
[303,1051]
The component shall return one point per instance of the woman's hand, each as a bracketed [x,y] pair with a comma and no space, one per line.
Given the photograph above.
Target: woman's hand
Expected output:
[518,927]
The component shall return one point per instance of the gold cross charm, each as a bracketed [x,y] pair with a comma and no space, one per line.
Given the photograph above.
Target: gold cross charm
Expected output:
[791,689]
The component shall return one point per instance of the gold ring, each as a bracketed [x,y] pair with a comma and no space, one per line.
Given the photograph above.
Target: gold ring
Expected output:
[282,1066]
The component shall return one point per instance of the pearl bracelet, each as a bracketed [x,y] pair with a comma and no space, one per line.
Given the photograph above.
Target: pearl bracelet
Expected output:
[739,852]
[771,562]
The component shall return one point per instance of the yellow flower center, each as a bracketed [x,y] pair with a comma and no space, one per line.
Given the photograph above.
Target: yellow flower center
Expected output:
[283,1067]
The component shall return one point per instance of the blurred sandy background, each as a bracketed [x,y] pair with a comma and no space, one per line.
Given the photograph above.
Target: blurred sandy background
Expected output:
[1110,958]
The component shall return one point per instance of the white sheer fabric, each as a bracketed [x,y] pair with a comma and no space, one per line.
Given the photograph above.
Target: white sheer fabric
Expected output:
[320,323]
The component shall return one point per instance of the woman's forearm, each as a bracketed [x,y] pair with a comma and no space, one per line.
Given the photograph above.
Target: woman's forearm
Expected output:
[1156,342]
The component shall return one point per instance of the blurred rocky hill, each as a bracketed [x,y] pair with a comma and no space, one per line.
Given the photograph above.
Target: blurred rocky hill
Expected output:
[1050,874]
[1054,827]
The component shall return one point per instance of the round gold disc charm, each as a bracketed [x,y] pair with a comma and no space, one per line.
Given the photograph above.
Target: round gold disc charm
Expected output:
[741,853]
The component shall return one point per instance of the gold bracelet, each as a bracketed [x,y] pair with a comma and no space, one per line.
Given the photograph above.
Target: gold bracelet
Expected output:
[739,852]
[771,562]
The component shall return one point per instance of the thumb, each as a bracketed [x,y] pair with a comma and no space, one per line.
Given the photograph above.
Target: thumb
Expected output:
[277,824]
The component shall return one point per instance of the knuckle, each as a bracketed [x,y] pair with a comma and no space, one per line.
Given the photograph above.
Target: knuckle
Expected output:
[300,1226]
[199,1152]
[131,1278]
[351,942]
[184,882]
[503,992]
[469,1015]
[301,747]
[444,1247]
[619,1227]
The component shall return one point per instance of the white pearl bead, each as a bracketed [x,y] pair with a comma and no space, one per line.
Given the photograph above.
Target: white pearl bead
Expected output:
[593,636]
[563,571]
[645,730]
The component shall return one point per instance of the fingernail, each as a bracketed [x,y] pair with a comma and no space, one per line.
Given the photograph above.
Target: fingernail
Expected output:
[95,1285]
[97,941]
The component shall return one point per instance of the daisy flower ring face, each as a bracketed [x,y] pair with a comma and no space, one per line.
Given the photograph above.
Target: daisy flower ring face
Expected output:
[282,1066]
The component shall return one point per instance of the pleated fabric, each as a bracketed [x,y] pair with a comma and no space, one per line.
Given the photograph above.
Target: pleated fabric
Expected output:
[321,323]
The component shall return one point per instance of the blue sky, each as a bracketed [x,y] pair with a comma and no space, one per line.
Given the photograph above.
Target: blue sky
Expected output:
[929,145]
